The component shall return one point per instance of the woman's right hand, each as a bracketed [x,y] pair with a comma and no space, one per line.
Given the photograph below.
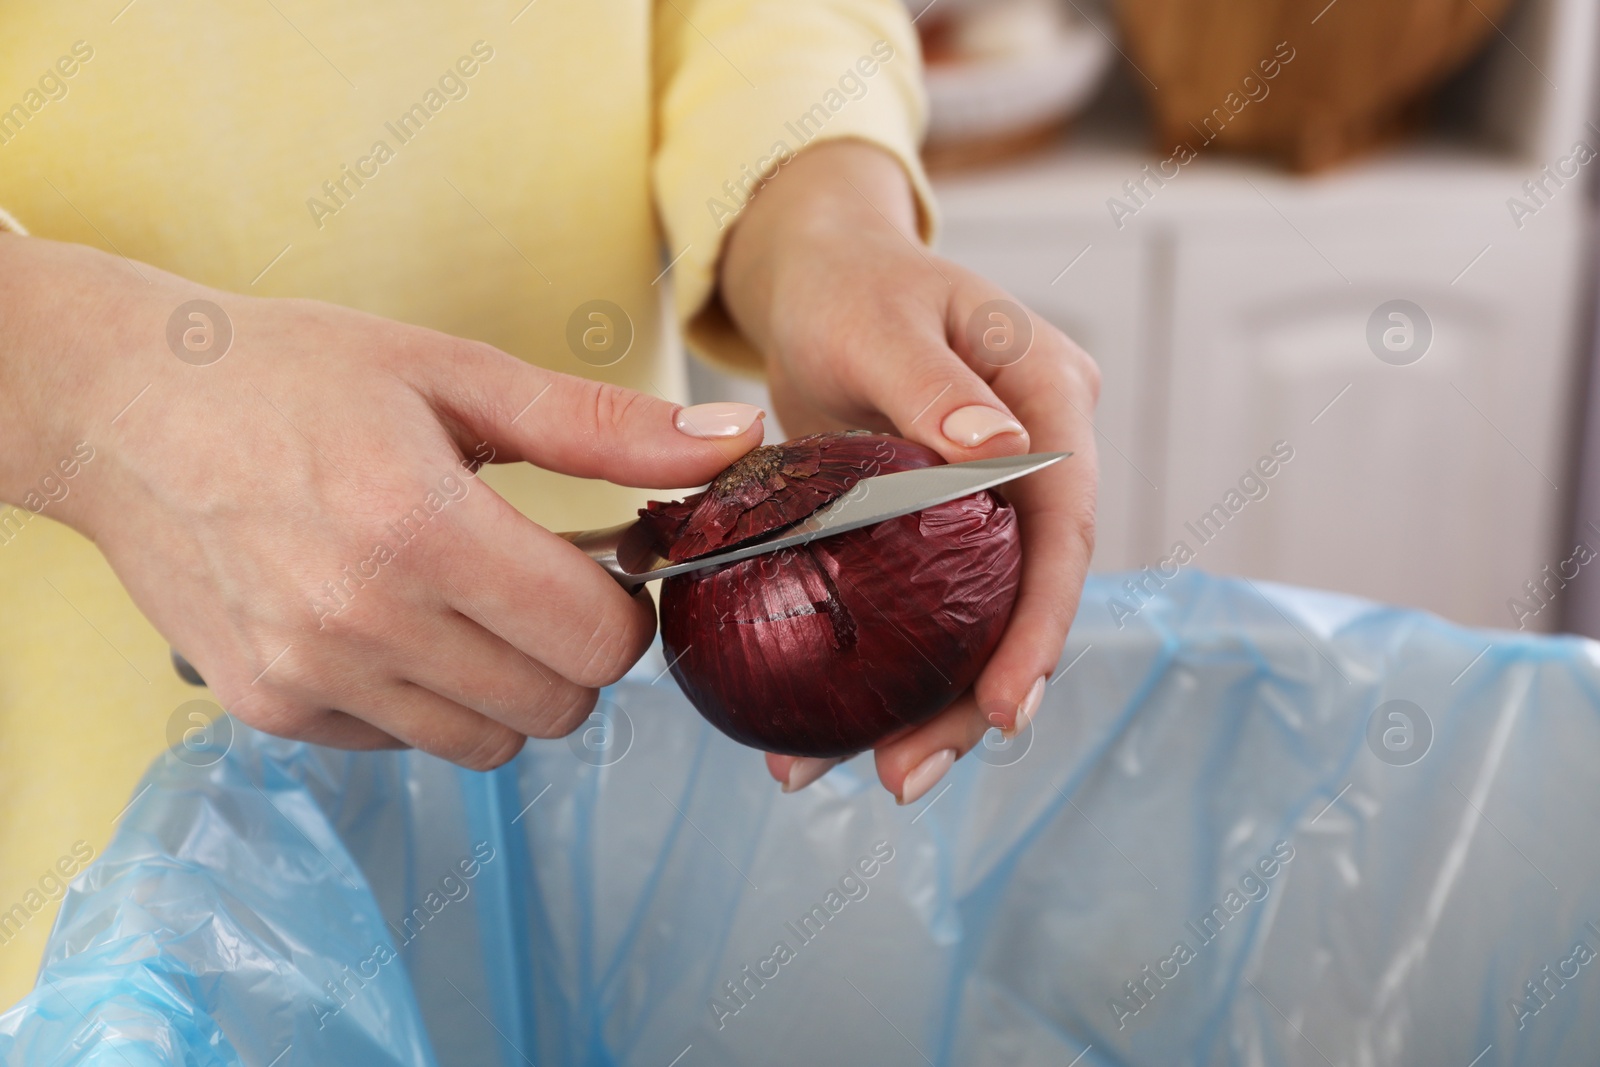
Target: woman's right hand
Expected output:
[301,517]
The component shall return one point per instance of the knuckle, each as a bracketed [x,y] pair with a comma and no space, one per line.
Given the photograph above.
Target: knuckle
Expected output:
[1084,532]
[1078,366]
[612,646]
[276,716]
[464,351]
[973,727]
[1089,371]
[562,714]
[928,379]
[1081,524]
[492,747]
[340,619]
[1067,522]
[615,409]
[291,670]
[601,665]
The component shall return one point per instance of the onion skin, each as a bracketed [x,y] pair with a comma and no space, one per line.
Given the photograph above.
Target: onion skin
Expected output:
[829,648]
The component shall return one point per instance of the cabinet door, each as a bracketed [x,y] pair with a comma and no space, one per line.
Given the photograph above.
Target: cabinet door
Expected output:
[1101,302]
[1432,484]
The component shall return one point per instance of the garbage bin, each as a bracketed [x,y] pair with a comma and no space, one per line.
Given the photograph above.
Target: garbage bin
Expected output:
[1251,825]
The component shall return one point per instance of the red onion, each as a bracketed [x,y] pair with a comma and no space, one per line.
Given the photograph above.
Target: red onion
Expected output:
[828,648]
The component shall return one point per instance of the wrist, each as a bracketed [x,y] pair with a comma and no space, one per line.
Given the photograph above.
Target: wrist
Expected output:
[58,365]
[836,192]
[831,187]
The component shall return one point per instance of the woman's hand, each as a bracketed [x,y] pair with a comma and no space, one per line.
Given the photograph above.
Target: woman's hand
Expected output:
[862,327]
[301,517]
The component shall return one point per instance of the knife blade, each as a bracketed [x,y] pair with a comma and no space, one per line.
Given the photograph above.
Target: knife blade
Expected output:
[871,500]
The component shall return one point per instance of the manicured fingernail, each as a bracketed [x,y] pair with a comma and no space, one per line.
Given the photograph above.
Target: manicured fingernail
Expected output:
[926,775]
[1027,709]
[974,424]
[709,421]
[805,770]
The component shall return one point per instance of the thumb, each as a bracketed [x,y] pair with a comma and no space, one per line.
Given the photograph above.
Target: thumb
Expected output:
[936,397]
[584,428]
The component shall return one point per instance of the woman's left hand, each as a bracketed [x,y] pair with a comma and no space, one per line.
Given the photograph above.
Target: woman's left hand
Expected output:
[863,327]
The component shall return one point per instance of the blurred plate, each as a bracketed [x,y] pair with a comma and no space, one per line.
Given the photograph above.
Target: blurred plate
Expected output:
[990,98]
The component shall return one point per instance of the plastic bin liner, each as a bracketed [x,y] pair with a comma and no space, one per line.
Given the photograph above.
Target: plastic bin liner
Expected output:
[1252,825]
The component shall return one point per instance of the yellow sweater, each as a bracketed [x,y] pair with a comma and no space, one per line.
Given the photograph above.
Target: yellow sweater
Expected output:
[481,167]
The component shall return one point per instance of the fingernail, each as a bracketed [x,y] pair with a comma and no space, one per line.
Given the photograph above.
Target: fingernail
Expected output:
[974,424]
[1027,709]
[926,775]
[710,421]
[805,770]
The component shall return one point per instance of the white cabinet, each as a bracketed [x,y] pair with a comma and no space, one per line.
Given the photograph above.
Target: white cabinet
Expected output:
[1434,483]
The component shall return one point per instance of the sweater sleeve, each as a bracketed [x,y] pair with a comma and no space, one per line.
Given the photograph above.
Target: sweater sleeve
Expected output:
[10,224]
[742,86]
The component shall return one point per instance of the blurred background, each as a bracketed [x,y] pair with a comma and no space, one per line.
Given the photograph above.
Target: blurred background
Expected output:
[1360,233]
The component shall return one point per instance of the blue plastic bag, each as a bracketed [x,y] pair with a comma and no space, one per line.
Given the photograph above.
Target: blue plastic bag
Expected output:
[1251,825]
